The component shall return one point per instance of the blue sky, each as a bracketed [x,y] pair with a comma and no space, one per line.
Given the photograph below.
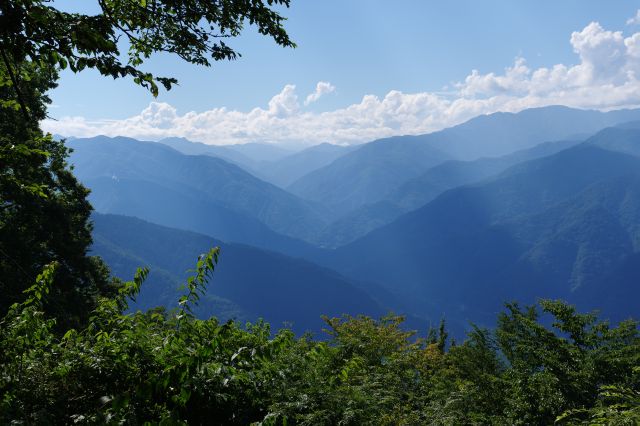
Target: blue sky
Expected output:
[361,48]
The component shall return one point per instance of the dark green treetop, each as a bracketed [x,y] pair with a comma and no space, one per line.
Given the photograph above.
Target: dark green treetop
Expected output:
[44,213]
[195,30]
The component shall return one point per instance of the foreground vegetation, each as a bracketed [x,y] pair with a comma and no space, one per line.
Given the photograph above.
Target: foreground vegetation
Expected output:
[170,367]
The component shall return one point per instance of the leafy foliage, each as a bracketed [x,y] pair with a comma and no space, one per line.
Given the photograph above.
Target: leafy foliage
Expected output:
[195,30]
[169,367]
[43,208]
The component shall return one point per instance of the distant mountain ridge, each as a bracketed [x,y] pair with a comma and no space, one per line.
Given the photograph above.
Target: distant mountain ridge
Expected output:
[261,152]
[424,188]
[368,174]
[361,176]
[188,210]
[279,167]
[196,192]
[247,284]
[470,245]
[285,171]
[188,147]
[502,133]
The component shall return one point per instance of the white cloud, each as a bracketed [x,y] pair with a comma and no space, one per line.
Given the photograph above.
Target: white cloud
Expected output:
[635,20]
[285,103]
[322,88]
[606,76]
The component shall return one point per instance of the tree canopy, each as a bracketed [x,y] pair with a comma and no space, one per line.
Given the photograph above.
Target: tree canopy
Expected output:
[167,367]
[44,212]
[196,30]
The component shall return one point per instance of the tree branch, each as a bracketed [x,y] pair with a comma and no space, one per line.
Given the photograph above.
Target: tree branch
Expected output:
[14,81]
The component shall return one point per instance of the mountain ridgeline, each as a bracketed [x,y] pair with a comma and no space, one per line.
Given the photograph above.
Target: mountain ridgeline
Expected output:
[249,283]
[551,227]
[193,192]
[542,203]
[368,174]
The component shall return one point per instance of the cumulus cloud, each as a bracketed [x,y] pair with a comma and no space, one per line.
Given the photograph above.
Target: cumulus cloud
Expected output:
[635,20]
[322,88]
[605,77]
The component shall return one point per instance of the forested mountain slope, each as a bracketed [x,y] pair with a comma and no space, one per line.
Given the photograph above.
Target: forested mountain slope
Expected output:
[418,191]
[188,210]
[126,167]
[248,283]
[474,246]
[368,174]
[502,133]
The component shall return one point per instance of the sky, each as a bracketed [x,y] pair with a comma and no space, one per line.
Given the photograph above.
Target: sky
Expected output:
[366,69]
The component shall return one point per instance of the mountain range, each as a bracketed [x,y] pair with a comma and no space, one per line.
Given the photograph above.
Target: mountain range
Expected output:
[551,227]
[418,191]
[542,203]
[193,192]
[369,173]
[268,162]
